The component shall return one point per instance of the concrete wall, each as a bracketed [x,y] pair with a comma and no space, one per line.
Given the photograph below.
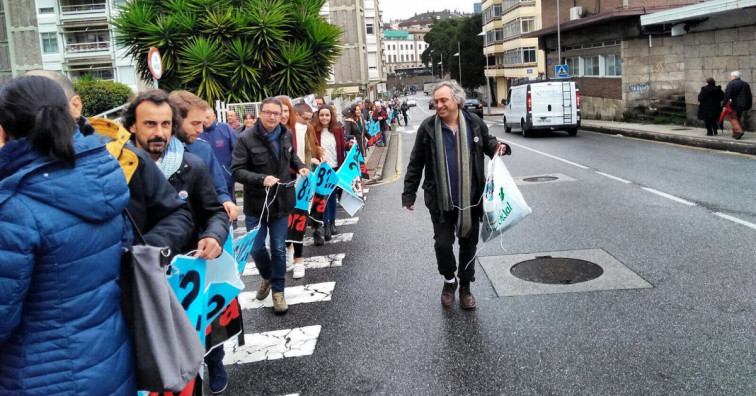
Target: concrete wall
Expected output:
[652,72]
[595,108]
[22,51]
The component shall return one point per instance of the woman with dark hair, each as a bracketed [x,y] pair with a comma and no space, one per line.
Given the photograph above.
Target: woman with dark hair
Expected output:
[62,329]
[353,127]
[710,99]
[247,122]
[331,139]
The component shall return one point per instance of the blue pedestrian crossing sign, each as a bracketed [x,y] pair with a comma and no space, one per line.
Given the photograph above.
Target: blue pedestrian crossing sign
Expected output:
[561,71]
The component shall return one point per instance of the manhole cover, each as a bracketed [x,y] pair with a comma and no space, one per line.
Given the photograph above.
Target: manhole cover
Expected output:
[556,270]
[540,179]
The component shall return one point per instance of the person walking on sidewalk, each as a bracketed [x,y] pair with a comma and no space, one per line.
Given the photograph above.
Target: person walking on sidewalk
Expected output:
[738,95]
[710,98]
[449,147]
[262,158]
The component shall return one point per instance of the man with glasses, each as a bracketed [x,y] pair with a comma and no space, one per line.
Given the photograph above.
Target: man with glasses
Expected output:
[262,158]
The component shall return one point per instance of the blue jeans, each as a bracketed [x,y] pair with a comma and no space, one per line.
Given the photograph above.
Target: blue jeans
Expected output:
[271,266]
[330,212]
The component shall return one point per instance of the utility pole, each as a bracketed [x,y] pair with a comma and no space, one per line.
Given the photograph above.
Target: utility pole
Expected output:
[559,39]
[459,57]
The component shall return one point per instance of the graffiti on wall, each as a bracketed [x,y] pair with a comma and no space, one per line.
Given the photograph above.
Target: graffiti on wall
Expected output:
[642,87]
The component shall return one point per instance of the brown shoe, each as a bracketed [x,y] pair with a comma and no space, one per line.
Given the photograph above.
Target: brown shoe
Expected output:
[279,303]
[466,299]
[447,294]
[263,290]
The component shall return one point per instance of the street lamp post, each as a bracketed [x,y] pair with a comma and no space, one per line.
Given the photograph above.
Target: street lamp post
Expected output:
[559,38]
[442,66]
[459,58]
[488,85]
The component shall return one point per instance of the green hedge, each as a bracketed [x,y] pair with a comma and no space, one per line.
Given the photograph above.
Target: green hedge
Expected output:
[99,96]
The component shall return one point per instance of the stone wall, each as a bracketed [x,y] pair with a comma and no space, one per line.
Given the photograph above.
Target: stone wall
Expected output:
[651,73]
[594,108]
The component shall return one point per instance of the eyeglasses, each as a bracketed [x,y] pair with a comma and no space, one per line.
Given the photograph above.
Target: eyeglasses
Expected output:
[271,113]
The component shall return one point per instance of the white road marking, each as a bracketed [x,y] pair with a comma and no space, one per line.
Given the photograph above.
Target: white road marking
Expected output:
[273,345]
[315,292]
[347,221]
[345,237]
[672,197]
[331,260]
[365,190]
[735,219]
[619,179]
[544,154]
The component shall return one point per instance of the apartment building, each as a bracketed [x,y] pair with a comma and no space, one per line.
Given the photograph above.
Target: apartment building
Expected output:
[19,39]
[402,49]
[510,56]
[359,70]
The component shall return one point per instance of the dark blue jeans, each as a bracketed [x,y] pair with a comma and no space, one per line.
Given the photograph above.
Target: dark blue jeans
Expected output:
[330,211]
[271,266]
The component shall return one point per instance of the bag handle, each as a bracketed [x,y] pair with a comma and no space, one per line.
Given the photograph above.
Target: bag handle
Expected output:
[134,226]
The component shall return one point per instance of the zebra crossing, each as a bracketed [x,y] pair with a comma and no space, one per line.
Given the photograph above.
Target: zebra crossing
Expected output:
[294,342]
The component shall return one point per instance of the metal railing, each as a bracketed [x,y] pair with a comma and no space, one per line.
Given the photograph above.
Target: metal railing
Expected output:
[82,8]
[87,47]
[112,114]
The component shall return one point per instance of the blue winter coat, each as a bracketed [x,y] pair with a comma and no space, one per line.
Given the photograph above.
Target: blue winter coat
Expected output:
[62,330]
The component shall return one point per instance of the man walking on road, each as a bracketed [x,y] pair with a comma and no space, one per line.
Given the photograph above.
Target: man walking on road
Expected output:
[262,160]
[738,94]
[449,147]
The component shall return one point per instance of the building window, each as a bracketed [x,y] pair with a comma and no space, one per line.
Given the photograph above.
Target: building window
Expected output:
[46,10]
[591,66]
[49,43]
[529,55]
[527,24]
[369,28]
[612,65]
[573,66]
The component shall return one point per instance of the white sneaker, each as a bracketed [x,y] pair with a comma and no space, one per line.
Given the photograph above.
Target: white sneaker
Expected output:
[289,258]
[298,270]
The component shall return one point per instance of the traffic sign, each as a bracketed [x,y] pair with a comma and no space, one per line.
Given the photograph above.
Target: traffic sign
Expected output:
[561,71]
[155,63]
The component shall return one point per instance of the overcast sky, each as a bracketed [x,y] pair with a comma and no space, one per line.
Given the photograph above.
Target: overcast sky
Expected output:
[403,9]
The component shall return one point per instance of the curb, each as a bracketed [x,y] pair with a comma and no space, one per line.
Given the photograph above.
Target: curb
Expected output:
[702,142]
[379,169]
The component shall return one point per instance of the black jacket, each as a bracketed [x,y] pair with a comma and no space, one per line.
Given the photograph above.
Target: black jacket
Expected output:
[740,93]
[710,98]
[160,215]
[253,160]
[194,184]
[424,156]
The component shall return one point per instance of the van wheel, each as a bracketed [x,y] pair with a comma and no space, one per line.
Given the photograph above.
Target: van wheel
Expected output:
[507,128]
[572,131]
[525,132]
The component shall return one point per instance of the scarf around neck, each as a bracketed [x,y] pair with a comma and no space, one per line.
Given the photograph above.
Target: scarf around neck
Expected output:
[170,162]
[273,138]
[464,223]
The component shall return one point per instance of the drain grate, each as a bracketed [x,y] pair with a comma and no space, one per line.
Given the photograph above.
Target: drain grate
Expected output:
[556,270]
[540,179]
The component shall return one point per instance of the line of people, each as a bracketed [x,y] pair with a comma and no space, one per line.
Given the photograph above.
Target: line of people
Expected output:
[67,184]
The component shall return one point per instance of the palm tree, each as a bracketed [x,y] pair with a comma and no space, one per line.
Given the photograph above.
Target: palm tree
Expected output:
[232,50]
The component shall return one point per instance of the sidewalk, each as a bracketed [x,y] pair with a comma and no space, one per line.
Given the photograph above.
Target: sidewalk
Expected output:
[678,134]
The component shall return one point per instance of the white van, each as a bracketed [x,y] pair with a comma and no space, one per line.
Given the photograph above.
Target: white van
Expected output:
[545,105]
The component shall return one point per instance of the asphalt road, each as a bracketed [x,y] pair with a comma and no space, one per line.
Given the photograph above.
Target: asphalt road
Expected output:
[668,214]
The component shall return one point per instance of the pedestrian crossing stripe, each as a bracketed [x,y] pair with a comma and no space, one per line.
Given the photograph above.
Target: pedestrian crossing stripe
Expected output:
[316,262]
[311,293]
[347,221]
[344,237]
[273,345]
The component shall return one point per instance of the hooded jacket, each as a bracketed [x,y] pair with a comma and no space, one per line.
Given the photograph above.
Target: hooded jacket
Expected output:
[62,329]
[254,160]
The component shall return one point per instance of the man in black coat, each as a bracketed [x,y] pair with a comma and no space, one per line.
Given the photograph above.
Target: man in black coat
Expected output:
[738,95]
[160,215]
[709,109]
[454,182]
[262,161]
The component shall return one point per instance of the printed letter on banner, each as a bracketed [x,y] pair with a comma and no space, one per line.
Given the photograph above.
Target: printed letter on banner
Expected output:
[350,181]
[325,182]
[298,216]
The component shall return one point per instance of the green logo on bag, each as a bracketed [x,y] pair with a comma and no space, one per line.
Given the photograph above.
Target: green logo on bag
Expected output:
[501,194]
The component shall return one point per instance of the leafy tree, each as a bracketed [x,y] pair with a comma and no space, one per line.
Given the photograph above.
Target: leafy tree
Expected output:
[233,50]
[443,38]
[98,96]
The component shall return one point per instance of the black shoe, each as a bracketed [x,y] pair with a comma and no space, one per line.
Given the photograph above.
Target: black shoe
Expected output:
[447,294]
[333,229]
[709,134]
[317,238]
[327,233]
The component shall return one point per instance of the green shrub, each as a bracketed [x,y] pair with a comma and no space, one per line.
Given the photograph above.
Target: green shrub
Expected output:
[99,96]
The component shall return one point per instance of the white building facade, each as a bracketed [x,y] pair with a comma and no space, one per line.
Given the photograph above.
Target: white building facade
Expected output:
[402,49]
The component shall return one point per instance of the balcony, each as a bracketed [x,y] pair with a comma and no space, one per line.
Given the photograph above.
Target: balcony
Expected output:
[89,42]
[82,9]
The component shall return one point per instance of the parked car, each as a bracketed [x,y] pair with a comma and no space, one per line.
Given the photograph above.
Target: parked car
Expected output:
[474,106]
[548,105]
[411,102]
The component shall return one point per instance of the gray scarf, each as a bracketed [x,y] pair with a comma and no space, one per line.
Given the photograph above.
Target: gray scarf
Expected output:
[464,223]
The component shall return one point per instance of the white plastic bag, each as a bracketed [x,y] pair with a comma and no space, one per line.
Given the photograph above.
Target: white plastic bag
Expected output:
[503,204]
